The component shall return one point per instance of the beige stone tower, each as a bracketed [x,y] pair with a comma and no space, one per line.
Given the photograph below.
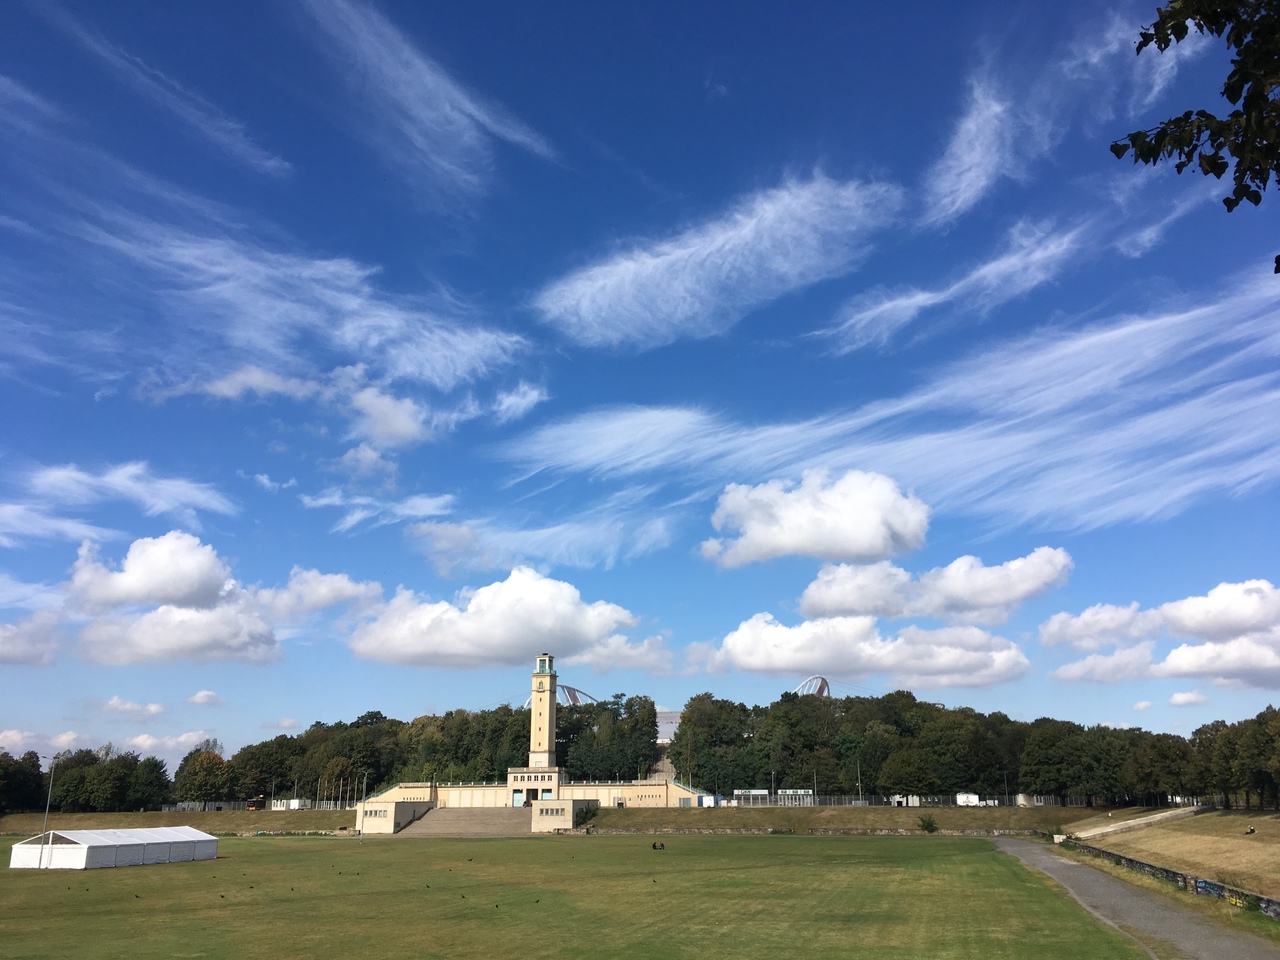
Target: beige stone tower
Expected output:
[542,714]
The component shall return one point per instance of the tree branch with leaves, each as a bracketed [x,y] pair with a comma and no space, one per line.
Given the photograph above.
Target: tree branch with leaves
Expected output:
[1247,140]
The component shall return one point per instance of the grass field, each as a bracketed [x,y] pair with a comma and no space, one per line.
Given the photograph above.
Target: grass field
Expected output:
[801,820]
[705,897]
[1213,846]
[225,823]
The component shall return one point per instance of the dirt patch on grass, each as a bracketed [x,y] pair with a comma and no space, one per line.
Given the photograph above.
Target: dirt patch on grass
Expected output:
[1213,846]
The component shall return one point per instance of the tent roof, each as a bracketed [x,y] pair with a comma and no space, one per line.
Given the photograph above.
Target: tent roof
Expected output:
[134,835]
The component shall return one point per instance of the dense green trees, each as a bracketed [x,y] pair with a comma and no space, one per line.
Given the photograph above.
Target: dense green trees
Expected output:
[897,744]
[21,783]
[85,780]
[869,745]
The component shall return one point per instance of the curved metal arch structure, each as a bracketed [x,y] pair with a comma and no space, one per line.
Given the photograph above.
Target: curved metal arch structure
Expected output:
[816,685]
[567,696]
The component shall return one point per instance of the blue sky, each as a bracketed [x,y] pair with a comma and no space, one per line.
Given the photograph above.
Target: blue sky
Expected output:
[353,354]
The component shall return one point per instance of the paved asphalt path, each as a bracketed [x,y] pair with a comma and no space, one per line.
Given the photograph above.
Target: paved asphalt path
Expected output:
[1133,908]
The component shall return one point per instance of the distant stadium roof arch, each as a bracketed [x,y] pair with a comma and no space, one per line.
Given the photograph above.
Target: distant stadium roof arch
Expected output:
[816,685]
[567,696]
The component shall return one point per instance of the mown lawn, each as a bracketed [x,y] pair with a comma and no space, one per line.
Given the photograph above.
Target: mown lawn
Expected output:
[705,897]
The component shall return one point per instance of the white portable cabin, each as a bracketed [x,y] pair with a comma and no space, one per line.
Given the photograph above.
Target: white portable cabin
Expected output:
[91,849]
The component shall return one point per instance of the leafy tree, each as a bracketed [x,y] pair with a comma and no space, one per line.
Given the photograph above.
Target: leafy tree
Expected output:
[1250,134]
[908,771]
[149,785]
[203,776]
[21,786]
[1047,758]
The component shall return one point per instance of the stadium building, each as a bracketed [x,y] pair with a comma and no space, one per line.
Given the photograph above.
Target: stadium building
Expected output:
[542,787]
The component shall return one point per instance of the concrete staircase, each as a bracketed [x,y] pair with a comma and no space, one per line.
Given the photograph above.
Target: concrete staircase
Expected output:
[664,769]
[472,822]
[1126,826]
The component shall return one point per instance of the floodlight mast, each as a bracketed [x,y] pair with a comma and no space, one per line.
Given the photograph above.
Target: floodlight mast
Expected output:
[53,761]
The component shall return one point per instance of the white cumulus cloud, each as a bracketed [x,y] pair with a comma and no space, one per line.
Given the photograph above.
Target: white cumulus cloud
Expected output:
[1188,698]
[175,569]
[205,698]
[310,591]
[503,623]
[852,648]
[858,516]
[169,634]
[32,641]
[964,591]
[386,420]
[135,711]
[1232,634]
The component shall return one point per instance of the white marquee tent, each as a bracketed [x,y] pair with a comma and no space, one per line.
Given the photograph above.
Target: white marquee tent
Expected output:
[90,849]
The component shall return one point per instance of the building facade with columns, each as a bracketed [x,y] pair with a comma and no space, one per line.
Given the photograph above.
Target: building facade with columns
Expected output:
[542,786]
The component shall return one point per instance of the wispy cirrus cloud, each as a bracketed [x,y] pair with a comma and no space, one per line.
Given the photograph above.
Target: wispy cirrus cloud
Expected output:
[225,283]
[705,279]
[357,508]
[200,116]
[36,521]
[621,526]
[249,309]
[1009,121]
[1034,255]
[156,495]
[979,153]
[1130,419]
[514,404]
[421,120]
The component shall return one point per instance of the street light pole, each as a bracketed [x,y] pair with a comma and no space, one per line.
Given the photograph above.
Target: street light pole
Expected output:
[364,794]
[53,761]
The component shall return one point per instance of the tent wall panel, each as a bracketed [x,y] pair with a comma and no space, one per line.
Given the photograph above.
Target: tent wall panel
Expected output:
[65,856]
[206,849]
[182,851]
[156,853]
[129,854]
[96,858]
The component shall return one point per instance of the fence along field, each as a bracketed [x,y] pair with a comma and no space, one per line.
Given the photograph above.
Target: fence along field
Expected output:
[704,897]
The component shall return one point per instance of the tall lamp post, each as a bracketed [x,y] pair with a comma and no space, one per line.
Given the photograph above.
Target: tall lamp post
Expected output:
[53,761]
[364,795]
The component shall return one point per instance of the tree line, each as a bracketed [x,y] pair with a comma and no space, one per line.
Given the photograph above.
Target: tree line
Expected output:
[612,739]
[894,744]
[897,744]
